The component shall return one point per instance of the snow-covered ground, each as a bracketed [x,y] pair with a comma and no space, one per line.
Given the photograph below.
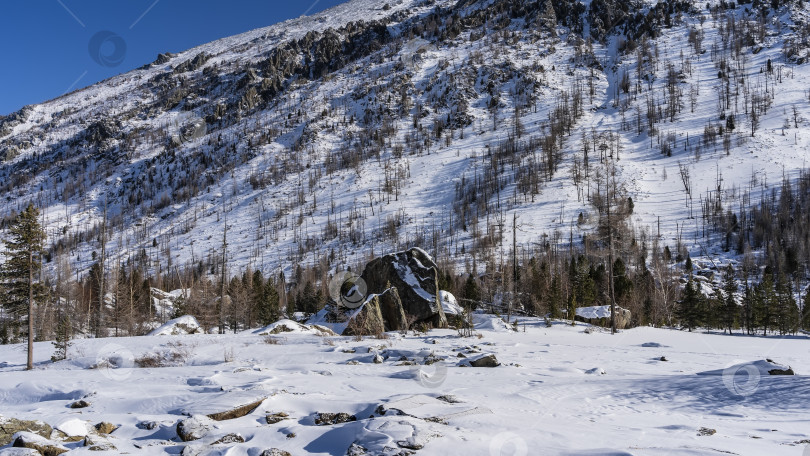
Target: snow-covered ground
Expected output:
[558,390]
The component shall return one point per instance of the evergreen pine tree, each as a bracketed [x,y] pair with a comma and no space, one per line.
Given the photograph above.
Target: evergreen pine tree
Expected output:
[786,311]
[689,307]
[730,308]
[63,336]
[24,248]
[749,300]
[555,298]
[269,306]
[471,292]
[764,303]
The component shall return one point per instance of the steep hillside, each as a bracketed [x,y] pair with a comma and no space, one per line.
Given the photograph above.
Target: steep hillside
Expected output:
[371,127]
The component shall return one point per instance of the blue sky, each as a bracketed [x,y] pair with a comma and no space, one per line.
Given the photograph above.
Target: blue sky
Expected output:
[45,45]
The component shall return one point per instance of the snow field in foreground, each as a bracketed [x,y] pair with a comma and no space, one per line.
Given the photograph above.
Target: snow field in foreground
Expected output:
[558,390]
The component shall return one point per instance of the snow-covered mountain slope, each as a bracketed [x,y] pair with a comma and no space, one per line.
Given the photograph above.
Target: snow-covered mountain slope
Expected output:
[558,391]
[373,126]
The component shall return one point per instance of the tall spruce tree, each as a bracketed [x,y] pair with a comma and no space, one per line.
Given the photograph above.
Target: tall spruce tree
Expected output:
[20,273]
[730,308]
[690,305]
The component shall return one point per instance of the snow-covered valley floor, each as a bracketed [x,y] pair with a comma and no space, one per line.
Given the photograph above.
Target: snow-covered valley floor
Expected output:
[558,390]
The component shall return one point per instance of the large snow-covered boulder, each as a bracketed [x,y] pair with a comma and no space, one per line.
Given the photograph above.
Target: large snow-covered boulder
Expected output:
[449,304]
[10,426]
[414,274]
[600,316]
[286,326]
[179,326]
[194,427]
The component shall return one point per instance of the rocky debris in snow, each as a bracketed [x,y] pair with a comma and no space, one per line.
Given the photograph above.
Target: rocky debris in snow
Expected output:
[328,419]
[356,450]
[236,412]
[407,433]
[273,418]
[432,358]
[194,427]
[98,445]
[377,359]
[179,326]
[349,350]
[105,427]
[290,326]
[80,404]
[600,316]
[19,452]
[596,371]
[485,361]
[663,358]
[230,438]
[450,399]
[788,371]
[11,426]
[148,425]
[274,452]
[704,431]
[651,345]
[36,442]
[413,273]
[352,362]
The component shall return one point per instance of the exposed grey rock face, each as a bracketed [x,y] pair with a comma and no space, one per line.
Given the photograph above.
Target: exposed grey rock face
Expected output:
[414,274]
[163,58]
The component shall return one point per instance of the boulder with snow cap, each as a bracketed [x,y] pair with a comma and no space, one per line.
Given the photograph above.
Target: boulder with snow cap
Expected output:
[414,274]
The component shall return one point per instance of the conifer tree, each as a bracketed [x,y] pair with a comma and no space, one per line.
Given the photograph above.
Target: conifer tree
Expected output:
[24,249]
[730,309]
[764,303]
[689,307]
[269,311]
